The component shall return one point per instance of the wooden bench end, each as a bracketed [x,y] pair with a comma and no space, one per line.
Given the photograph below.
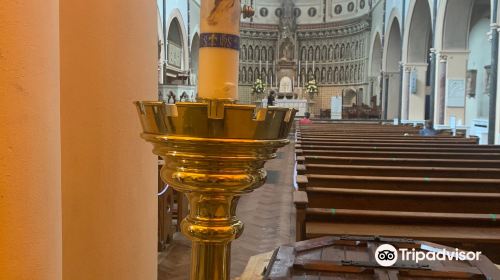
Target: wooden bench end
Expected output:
[300,199]
[301,169]
[302,182]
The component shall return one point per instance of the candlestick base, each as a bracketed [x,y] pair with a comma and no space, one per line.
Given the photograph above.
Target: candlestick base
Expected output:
[214,152]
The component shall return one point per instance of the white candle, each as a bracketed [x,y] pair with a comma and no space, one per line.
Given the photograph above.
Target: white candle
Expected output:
[219,56]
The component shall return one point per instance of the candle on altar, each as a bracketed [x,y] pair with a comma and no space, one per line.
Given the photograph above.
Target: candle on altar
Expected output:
[219,49]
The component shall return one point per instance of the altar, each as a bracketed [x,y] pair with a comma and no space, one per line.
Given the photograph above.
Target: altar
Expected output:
[298,104]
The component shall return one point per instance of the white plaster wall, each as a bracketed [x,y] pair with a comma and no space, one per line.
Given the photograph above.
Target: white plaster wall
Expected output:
[480,56]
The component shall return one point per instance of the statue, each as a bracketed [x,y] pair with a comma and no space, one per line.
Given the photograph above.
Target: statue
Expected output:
[286,52]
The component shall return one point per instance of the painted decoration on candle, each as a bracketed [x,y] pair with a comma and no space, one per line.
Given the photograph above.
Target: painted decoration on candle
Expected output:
[220,40]
[221,7]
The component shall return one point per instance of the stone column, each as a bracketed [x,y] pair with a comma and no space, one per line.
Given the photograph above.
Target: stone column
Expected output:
[497,116]
[108,60]
[30,157]
[385,93]
[441,91]
[393,94]
[405,102]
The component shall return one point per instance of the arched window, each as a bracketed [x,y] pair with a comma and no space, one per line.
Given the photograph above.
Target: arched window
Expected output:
[336,75]
[330,75]
[324,54]
[271,54]
[244,75]
[330,53]
[317,55]
[257,53]
[337,53]
[323,75]
[264,54]
[310,54]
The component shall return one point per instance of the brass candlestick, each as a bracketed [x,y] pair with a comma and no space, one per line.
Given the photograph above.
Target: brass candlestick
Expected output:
[214,152]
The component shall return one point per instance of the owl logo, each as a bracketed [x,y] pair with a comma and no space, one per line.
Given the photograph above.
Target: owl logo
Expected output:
[220,7]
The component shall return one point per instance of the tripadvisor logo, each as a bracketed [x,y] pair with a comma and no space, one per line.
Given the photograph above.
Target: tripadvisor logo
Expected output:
[387,255]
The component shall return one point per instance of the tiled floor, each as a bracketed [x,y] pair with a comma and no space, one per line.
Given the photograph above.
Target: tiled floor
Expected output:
[269,220]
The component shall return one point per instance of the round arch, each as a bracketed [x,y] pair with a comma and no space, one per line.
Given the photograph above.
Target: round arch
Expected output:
[416,42]
[376,56]
[391,61]
[175,17]
[195,51]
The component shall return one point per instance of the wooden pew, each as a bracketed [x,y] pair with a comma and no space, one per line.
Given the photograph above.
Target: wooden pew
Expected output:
[473,163]
[438,148]
[399,183]
[371,140]
[402,171]
[166,226]
[403,154]
[382,144]
[369,179]
[432,216]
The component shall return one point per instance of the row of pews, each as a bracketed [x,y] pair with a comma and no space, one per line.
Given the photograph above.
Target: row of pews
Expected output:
[172,209]
[368,179]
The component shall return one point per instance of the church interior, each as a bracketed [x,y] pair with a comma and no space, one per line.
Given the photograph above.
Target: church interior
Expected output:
[249,139]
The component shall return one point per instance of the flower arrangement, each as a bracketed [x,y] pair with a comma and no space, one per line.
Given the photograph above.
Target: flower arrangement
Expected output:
[258,87]
[312,87]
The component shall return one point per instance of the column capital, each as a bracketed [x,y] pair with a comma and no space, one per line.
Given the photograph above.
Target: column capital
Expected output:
[443,58]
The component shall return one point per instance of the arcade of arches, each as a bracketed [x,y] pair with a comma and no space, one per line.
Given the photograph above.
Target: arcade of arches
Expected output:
[430,62]
[79,188]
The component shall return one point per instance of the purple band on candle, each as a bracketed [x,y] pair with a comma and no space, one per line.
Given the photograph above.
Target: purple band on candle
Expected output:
[220,40]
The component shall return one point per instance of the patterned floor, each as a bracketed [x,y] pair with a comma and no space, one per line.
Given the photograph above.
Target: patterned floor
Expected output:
[269,220]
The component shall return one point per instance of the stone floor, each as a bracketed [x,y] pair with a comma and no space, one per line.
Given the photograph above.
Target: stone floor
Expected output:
[269,220]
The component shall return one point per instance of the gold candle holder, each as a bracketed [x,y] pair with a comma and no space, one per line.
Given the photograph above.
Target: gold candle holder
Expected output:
[214,152]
